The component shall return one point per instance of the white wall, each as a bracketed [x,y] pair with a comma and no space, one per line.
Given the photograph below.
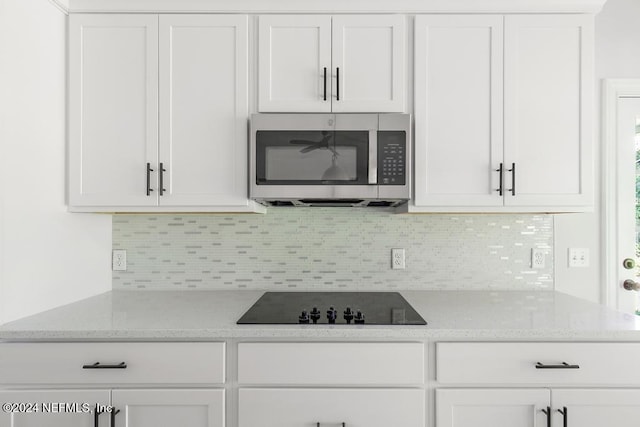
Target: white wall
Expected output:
[48,257]
[617,56]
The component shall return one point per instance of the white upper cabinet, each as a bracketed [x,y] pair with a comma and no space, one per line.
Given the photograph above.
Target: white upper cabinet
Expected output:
[458,109]
[368,59]
[294,57]
[319,63]
[203,110]
[113,108]
[158,113]
[503,130]
[549,109]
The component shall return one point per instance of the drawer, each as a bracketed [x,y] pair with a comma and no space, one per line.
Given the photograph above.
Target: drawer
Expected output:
[331,407]
[515,363]
[331,363]
[146,363]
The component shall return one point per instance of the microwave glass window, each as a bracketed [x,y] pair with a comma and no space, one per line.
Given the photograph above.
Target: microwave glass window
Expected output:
[312,157]
[288,163]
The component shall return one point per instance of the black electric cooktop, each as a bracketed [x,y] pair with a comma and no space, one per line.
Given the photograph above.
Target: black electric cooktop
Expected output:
[340,308]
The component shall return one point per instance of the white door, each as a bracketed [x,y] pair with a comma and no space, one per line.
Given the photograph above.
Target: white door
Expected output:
[626,173]
[368,63]
[54,408]
[113,110]
[548,115]
[596,408]
[458,110]
[492,407]
[331,407]
[169,408]
[294,63]
[203,110]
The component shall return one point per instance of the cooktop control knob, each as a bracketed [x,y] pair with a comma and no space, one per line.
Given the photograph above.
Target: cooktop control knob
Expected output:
[359,319]
[332,314]
[348,315]
[304,317]
[315,315]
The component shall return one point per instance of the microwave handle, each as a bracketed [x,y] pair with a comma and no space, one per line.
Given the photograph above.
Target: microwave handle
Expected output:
[373,157]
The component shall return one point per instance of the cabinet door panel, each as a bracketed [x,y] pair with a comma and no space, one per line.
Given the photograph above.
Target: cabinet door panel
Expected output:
[331,407]
[293,53]
[169,408]
[596,408]
[50,411]
[548,109]
[203,109]
[370,53]
[458,96]
[490,408]
[113,116]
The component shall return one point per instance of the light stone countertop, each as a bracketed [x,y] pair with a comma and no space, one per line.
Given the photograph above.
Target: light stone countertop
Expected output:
[211,315]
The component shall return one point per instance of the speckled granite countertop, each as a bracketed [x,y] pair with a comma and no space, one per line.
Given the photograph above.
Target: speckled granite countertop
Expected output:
[211,315]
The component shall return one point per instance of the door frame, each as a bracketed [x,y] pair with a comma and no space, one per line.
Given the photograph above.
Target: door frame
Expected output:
[612,91]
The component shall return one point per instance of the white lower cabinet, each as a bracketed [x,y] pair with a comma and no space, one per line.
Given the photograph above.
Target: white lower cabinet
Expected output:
[491,407]
[134,384]
[596,407]
[331,384]
[168,407]
[532,407]
[331,407]
[52,408]
[537,384]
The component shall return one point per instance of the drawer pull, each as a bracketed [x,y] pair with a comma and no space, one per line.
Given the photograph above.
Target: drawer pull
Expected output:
[97,365]
[565,421]
[546,411]
[342,424]
[563,365]
[96,415]
[114,412]
[149,170]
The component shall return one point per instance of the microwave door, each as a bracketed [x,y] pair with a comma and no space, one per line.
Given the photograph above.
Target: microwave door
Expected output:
[312,157]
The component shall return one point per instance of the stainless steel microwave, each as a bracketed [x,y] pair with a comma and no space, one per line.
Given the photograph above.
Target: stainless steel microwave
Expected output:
[330,159]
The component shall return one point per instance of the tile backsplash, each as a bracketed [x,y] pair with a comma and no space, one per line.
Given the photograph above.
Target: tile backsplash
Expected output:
[332,248]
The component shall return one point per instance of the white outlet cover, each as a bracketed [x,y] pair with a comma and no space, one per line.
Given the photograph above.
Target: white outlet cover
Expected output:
[537,258]
[397,259]
[119,260]
[578,257]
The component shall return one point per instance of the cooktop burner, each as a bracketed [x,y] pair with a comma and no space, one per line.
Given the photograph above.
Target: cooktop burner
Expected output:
[341,308]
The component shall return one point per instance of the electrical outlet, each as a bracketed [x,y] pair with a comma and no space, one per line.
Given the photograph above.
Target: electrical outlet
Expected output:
[397,259]
[119,260]
[578,257]
[537,258]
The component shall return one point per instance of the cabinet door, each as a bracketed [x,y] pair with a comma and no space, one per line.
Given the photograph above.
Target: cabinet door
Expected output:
[458,110]
[597,408]
[55,408]
[294,52]
[368,60]
[331,407]
[549,109]
[492,407]
[113,109]
[169,408]
[203,110]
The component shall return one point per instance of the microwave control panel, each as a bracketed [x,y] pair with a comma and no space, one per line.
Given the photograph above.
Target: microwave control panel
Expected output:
[391,158]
